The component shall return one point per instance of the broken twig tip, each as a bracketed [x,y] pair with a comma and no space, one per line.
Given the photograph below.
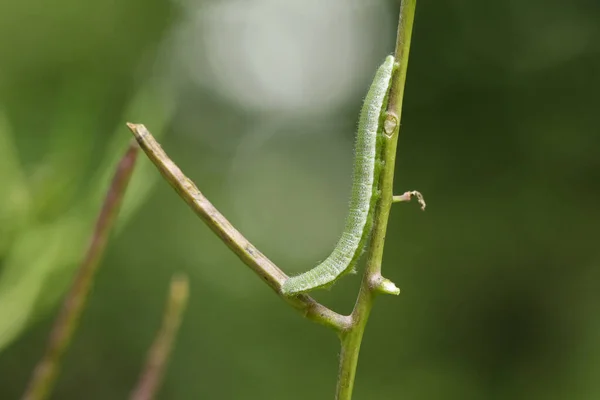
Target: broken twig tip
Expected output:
[139,131]
[407,196]
[180,287]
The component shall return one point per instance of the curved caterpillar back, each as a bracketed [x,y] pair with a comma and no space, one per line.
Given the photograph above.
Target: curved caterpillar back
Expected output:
[359,222]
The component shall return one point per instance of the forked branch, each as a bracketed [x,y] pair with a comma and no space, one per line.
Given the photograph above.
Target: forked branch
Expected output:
[250,255]
[373,282]
[349,328]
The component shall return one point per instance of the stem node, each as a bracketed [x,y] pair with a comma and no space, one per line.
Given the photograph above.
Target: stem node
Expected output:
[379,284]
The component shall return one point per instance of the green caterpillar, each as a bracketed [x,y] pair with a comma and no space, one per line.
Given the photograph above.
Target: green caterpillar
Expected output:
[367,165]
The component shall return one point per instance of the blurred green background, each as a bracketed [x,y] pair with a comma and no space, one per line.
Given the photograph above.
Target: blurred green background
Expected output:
[257,101]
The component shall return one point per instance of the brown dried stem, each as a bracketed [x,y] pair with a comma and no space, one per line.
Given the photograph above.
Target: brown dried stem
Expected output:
[67,321]
[158,355]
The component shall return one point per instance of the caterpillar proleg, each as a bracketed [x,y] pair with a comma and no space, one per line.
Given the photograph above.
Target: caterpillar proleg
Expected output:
[367,166]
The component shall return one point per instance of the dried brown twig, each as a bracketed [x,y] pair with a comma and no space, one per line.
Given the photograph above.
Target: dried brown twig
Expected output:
[47,369]
[158,355]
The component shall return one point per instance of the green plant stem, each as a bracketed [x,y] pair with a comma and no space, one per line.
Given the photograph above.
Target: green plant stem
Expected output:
[158,355]
[250,255]
[47,369]
[373,282]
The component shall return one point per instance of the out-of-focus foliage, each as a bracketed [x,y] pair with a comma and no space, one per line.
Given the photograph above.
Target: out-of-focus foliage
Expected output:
[46,228]
[499,276]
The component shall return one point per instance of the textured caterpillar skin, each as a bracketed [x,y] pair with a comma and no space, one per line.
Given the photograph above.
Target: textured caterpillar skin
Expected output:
[367,167]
